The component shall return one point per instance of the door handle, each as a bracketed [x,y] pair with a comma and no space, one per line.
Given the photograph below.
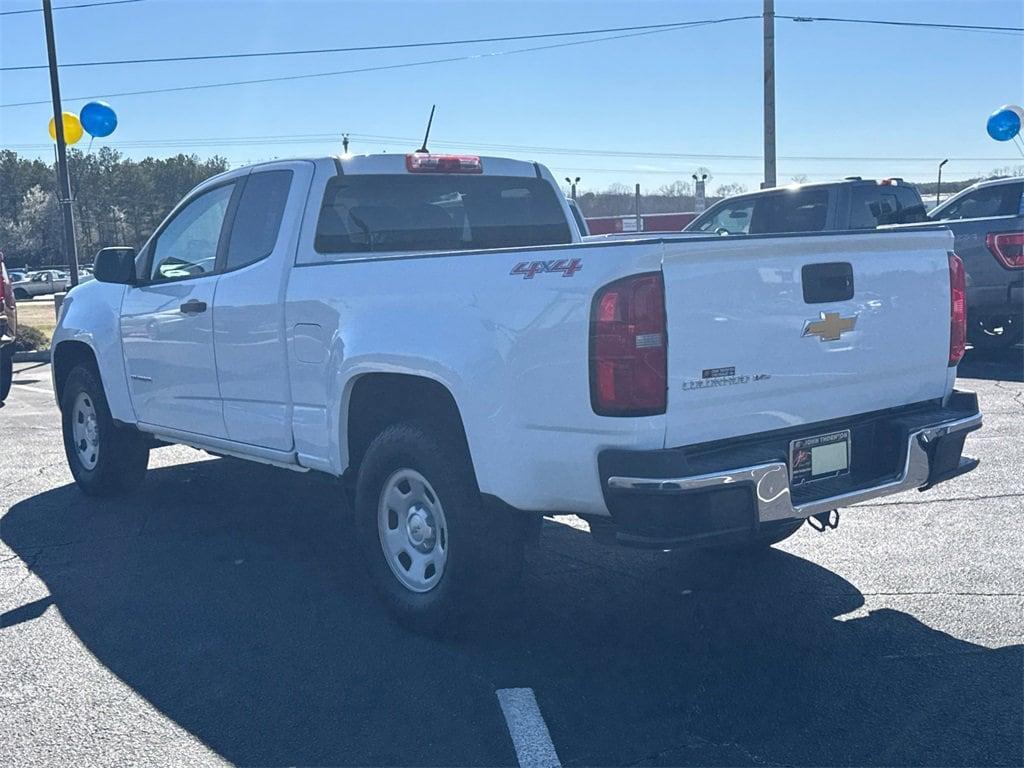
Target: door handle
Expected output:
[193,307]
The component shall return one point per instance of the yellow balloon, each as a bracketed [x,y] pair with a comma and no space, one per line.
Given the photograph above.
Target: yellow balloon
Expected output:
[72,128]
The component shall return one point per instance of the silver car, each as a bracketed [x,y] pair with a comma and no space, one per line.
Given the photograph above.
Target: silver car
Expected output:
[42,283]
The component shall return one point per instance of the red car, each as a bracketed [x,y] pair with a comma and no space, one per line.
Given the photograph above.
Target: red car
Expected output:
[8,330]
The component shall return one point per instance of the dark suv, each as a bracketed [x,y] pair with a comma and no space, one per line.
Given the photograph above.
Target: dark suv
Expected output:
[987,221]
[853,203]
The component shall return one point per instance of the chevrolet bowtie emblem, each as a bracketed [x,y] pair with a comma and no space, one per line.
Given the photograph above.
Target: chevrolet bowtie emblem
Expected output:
[830,327]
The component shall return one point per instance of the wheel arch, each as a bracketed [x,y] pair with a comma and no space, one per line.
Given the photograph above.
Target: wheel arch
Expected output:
[66,356]
[377,400]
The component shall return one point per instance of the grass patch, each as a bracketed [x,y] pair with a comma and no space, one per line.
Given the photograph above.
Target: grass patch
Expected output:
[38,315]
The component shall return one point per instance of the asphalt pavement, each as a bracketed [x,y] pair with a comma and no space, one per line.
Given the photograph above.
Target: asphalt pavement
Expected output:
[221,615]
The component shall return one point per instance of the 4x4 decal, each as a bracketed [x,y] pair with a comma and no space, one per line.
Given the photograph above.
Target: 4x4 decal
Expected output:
[568,267]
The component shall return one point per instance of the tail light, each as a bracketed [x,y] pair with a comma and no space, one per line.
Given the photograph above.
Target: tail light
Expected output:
[422,162]
[957,309]
[1008,247]
[628,347]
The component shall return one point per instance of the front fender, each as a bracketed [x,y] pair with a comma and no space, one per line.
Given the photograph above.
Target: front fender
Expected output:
[91,315]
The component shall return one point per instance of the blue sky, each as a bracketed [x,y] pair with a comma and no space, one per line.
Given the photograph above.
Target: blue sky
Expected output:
[842,90]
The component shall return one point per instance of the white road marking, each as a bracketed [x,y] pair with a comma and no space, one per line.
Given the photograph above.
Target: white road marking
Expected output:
[527,728]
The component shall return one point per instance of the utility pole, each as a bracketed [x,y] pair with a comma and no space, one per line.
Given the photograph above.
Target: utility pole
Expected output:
[769,94]
[63,178]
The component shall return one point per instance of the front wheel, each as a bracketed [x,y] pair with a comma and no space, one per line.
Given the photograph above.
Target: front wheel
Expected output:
[105,458]
[20,294]
[431,550]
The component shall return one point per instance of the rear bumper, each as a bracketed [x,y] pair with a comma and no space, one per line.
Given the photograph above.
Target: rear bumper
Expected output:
[651,505]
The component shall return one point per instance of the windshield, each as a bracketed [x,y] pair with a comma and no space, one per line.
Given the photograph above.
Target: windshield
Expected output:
[438,213]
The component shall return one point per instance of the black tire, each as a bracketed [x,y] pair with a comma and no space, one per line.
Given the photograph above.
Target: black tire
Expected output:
[6,370]
[994,334]
[484,552]
[120,453]
[20,294]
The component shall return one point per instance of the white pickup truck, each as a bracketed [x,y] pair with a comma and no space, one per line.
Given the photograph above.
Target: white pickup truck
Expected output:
[433,330]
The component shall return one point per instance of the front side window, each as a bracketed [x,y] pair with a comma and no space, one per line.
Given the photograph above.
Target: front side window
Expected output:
[187,247]
[733,218]
[444,212]
[258,217]
[997,200]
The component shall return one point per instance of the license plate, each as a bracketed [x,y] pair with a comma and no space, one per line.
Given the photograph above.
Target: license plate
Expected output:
[819,457]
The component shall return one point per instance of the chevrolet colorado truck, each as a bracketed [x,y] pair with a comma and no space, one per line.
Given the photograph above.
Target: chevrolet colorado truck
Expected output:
[432,330]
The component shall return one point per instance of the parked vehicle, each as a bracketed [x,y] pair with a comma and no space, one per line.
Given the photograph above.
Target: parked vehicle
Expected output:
[851,204]
[42,283]
[431,329]
[987,221]
[8,331]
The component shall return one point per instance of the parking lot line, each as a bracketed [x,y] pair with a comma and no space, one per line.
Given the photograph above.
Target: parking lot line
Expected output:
[527,728]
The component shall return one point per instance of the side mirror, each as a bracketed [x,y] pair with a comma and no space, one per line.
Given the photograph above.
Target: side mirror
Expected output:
[115,265]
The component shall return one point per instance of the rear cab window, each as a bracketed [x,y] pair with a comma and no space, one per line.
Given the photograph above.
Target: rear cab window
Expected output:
[380,213]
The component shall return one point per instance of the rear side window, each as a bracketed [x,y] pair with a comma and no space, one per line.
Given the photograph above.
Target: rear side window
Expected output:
[258,217]
[799,210]
[873,205]
[444,212]
[997,200]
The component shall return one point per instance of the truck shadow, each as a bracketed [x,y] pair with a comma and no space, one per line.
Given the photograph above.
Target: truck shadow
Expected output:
[228,597]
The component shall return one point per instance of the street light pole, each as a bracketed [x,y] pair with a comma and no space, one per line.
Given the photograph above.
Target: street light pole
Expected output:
[938,187]
[769,94]
[572,186]
[63,178]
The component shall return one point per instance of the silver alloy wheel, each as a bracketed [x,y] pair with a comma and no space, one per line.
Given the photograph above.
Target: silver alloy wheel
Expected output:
[412,529]
[85,430]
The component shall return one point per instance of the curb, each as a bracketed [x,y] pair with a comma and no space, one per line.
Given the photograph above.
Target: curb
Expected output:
[40,356]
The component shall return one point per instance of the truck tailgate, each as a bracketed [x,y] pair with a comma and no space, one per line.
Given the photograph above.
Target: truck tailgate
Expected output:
[763,333]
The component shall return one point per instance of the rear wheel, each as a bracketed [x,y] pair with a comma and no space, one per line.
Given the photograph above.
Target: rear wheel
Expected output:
[6,370]
[431,549]
[104,457]
[994,333]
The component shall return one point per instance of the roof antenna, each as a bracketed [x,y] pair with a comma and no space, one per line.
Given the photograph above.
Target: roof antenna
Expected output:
[427,134]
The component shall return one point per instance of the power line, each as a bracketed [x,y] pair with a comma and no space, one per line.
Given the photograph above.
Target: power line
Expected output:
[379,68]
[918,24]
[69,7]
[332,138]
[384,47]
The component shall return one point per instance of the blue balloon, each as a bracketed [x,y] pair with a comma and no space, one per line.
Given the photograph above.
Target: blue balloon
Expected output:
[1003,124]
[98,118]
